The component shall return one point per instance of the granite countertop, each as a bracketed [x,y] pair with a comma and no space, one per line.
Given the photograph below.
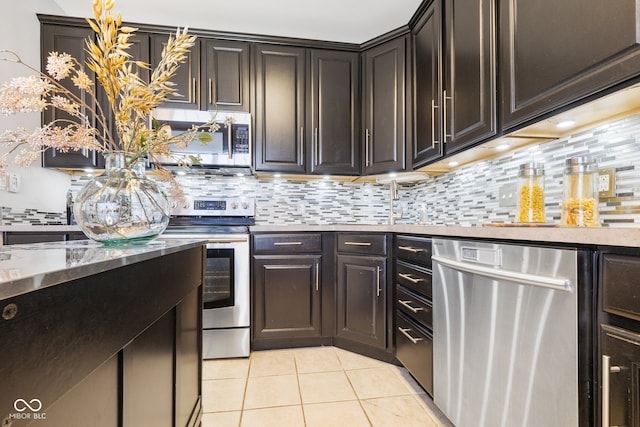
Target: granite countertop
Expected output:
[629,237]
[27,268]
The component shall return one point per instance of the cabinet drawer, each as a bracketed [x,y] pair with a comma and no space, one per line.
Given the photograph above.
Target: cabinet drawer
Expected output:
[414,278]
[414,349]
[414,249]
[415,307]
[621,285]
[287,243]
[370,244]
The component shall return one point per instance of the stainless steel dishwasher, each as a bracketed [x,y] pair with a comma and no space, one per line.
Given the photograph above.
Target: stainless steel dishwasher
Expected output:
[505,334]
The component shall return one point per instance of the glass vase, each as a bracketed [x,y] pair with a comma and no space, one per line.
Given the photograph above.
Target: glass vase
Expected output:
[122,205]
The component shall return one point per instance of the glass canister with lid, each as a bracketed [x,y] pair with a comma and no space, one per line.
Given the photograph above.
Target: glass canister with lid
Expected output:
[580,193]
[530,205]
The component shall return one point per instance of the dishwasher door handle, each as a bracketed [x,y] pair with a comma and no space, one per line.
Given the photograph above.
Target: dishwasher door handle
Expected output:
[559,284]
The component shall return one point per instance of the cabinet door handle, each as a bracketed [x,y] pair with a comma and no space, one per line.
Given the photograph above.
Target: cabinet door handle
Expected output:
[405,332]
[444,112]
[433,124]
[194,88]
[606,388]
[378,281]
[287,243]
[230,138]
[367,136]
[410,249]
[316,146]
[357,243]
[210,91]
[301,145]
[409,278]
[317,277]
[406,304]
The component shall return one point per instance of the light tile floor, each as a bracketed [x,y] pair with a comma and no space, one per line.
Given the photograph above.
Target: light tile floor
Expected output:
[313,387]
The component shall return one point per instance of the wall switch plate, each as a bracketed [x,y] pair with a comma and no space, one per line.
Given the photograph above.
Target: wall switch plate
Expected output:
[13,184]
[607,183]
[507,195]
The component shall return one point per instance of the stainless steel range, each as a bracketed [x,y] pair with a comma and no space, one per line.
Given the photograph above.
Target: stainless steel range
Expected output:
[224,224]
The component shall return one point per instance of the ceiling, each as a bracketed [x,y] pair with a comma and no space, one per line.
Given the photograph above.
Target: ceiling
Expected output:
[351,21]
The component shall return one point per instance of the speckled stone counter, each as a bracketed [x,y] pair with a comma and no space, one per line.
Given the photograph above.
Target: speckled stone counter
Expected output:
[629,237]
[26,268]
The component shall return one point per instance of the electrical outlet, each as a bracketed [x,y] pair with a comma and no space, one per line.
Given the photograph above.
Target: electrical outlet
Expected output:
[13,185]
[607,182]
[507,195]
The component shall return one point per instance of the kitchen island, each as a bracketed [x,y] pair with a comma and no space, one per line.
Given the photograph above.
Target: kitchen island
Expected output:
[98,335]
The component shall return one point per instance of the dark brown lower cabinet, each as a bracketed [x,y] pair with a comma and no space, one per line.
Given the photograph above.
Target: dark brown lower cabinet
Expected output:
[414,349]
[287,296]
[361,299]
[621,381]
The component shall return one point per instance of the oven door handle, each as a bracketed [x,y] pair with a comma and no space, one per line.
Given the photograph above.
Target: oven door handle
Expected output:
[230,240]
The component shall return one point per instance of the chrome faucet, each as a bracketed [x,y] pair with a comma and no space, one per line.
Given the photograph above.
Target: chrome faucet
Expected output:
[393,195]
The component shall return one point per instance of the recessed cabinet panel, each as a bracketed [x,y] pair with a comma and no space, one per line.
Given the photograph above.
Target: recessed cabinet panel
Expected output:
[558,52]
[279,112]
[621,285]
[71,40]
[186,78]
[286,296]
[384,130]
[470,80]
[333,104]
[623,349]
[225,75]
[427,86]
[361,299]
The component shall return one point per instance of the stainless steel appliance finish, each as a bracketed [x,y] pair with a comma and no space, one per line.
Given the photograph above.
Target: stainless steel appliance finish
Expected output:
[505,334]
[223,224]
[230,147]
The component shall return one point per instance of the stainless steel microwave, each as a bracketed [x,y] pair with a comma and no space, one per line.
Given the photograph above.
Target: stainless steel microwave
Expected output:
[230,145]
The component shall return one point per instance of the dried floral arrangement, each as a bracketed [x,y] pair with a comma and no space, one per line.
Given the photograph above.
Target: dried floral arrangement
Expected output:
[131,100]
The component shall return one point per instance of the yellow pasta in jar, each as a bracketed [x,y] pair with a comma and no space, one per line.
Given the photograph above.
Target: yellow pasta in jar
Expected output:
[531,204]
[580,212]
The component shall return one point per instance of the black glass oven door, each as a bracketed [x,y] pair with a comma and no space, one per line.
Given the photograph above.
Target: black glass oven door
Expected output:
[219,280]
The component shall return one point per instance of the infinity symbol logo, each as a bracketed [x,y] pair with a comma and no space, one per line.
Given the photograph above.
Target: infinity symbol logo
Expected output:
[21,405]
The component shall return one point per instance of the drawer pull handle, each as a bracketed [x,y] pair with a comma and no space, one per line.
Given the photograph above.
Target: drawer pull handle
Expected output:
[410,249]
[406,304]
[287,243]
[357,243]
[405,332]
[409,278]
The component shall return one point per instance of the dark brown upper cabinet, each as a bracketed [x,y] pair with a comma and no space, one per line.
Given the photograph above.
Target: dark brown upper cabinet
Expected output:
[384,127]
[469,97]
[280,108]
[71,40]
[454,77]
[555,53]
[426,52]
[187,77]
[225,75]
[333,107]
[305,110]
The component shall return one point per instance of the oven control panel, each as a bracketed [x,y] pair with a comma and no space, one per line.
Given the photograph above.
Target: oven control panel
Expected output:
[196,206]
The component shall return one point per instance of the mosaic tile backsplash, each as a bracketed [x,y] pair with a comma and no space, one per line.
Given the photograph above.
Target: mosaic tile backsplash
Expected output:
[467,196]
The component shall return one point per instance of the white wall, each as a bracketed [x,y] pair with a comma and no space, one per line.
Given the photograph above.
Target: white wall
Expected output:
[40,189]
